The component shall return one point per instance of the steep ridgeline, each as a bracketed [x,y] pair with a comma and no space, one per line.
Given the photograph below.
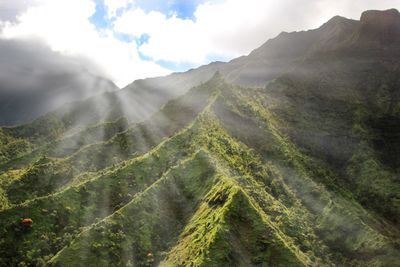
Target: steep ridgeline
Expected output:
[340,41]
[375,34]
[212,179]
[298,166]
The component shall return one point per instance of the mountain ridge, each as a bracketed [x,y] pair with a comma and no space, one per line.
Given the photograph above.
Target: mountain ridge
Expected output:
[300,171]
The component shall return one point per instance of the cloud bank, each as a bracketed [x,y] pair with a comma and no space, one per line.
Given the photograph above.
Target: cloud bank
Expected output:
[136,39]
[35,80]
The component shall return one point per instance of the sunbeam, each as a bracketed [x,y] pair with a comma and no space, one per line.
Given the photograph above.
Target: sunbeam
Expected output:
[285,156]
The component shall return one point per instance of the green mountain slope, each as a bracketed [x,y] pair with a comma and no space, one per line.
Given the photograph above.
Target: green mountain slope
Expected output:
[209,194]
[302,171]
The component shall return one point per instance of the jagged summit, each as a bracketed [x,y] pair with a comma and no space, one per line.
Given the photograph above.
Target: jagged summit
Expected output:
[337,25]
[381,27]
[386,17]
[337,20]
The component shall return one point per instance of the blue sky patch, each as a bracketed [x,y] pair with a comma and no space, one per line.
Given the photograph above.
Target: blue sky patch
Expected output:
[183,9]
[174,66]
[170,65]
[99,18]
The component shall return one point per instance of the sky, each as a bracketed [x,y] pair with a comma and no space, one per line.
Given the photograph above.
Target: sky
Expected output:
[125,40]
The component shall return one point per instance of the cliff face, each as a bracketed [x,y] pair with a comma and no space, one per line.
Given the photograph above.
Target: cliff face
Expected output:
[383,27]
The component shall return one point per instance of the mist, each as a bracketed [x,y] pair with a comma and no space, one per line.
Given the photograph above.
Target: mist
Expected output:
[35,80]
[285,157]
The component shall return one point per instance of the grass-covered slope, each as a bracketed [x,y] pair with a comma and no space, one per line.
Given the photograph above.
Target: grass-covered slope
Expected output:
[96,148]
[215,178]
[303,171]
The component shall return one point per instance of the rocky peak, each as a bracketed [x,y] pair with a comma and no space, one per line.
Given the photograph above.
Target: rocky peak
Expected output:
[337,21]
[383,18]
[381,26]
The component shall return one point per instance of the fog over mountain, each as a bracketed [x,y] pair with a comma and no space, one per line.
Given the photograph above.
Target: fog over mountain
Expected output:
[288,156]
[35,80]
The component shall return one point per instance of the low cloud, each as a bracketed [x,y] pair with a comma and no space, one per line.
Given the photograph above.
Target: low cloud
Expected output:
[227,29]
[35,80]
[65,27]
[10,9]
[217,30]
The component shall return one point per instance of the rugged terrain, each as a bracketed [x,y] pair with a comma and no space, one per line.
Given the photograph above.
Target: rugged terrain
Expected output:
[285,157]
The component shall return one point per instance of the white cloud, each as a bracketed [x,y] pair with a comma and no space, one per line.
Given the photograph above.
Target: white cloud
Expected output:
[232,27]
[10,8]
[65,27]
[223,28]
[114,5]
[171,39]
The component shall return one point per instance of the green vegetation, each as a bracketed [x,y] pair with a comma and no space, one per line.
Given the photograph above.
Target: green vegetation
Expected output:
[301,172]
[189,188]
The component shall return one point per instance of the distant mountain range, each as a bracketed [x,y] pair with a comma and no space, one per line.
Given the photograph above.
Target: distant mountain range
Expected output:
[286,157]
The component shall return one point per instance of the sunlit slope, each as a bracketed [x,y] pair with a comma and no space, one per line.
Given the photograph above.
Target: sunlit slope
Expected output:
[216,180]
[333,55]
[96,148]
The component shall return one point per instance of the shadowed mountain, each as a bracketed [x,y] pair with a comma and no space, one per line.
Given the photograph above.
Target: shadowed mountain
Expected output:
[285,157]
[35,80]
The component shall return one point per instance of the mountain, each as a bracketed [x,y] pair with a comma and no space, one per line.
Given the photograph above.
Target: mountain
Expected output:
[35,80]
[285,157]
